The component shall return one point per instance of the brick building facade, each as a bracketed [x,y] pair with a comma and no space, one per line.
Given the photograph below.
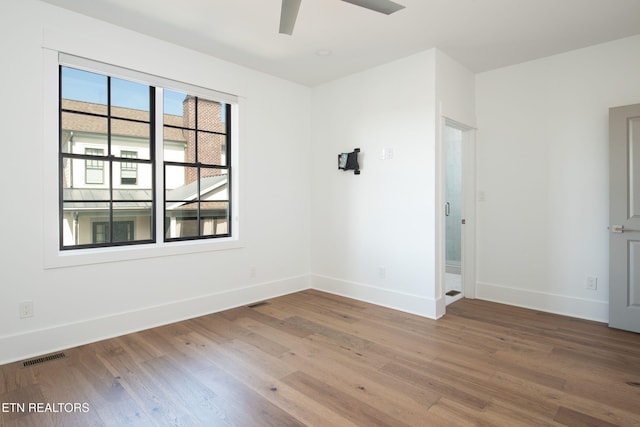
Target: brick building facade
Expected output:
[207,144]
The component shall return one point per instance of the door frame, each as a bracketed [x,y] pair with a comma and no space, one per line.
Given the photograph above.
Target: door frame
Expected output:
[468,233]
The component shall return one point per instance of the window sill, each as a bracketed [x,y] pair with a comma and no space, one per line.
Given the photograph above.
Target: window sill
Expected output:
[79,257]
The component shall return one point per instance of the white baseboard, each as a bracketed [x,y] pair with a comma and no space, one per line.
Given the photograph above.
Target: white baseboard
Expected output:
[543,301]
[60,337]
[410,303]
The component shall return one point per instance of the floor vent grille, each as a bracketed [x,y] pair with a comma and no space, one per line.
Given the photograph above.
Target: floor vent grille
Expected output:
[43,359]
[258,304]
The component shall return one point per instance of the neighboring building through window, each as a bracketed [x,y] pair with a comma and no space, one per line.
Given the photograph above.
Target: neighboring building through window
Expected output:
[128,170]
[122,231]
[108,163]
[198,205]
[93,168]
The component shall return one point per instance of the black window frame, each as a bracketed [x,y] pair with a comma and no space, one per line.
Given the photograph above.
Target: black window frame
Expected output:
[109,159]
[156,144]
[226,151]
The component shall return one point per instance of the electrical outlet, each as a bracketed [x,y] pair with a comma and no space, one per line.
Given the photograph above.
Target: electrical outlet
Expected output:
[252,272]
[592,283]
[382,272]
[26,309]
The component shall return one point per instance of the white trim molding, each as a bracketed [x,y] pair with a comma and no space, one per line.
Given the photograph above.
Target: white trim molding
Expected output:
[544,301]
[409,303]
[60,337]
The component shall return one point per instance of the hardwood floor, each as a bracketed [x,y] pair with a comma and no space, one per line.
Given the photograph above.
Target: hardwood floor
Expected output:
[318,359]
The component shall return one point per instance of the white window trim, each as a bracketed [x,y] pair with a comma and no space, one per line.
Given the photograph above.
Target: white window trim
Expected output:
[53,257]
[143,78]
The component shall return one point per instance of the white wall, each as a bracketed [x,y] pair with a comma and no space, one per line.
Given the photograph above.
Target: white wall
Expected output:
[85,303]
[455,90]
[384,217]
[543,170]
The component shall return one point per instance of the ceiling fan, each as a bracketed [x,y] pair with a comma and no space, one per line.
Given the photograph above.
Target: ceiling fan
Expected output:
[289,11]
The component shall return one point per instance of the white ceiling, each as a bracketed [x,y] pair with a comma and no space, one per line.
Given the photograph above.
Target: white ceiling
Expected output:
[480,34]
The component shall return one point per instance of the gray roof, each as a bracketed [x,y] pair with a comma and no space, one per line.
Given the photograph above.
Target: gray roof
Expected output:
[94,198]
[189,191]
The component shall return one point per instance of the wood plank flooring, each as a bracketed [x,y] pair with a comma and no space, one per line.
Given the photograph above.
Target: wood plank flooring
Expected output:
[318,359]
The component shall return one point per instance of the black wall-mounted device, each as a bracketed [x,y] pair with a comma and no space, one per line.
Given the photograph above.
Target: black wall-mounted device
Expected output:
[349,161]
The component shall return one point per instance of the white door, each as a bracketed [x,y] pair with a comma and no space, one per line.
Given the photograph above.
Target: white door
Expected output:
[624,243]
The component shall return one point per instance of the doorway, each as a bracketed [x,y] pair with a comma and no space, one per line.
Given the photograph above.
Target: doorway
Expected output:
[458,267]
[453,213]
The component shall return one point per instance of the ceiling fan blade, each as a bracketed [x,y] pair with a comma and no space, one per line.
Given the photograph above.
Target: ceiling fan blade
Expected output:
[383,6]
[288,15]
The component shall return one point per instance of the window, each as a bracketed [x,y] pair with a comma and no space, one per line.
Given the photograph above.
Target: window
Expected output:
[122,231]
[93,168]
[128,168]
[196,186]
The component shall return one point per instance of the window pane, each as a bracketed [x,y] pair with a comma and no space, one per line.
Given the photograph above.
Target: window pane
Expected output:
[132,221]
[181,182]
[87,108]
[214,218]
[131,136]
[78,219]
[174,106]
[128,154]
[80,173]
[83,86]
[189,150]
[212,148]
[175,144]
[130,129]
[129,173]
[129,169]
[182,220]
[100,232]
[211,116]
[123,231]
[129,99]
[96,169]
[80,130]
[88,196]
[94,176]
[213,184]
[132,194]
[134,173]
